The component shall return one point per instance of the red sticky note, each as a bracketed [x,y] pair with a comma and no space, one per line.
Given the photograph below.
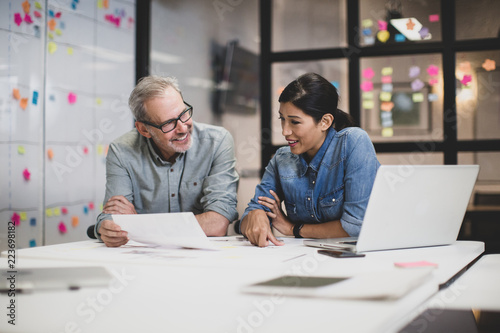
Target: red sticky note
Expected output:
[91,205]
[434,18]
[16,218]
[64,210]
[71,98]
[37,14]
[62,228]
[26,174]
[27,18]
[386,79]
[85,150]
[422,263]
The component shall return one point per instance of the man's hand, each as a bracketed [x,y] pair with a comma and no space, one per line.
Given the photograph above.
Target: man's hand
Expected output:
[255,226]
[279,219]
[112,235]
[118,204]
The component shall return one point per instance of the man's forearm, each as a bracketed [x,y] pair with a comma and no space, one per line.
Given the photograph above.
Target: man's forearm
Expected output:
[213,224]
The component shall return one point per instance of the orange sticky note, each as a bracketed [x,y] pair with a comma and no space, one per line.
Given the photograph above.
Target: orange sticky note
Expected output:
[50,153]
[26,7]
[386,106]
[23,103]
[75,221]
[16,94]
[52,24]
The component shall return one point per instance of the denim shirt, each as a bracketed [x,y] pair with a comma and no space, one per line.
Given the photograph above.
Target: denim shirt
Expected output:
[202,179]
[335,185]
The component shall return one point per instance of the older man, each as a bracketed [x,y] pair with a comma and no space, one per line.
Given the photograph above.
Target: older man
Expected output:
[168,163]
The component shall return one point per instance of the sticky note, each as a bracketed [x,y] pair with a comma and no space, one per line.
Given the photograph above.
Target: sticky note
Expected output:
[52,47]
[422,263]
[368,104]
[58,32]
[69,50]
[85,209]
[37,14]
[28,19]
[383,36]
[57,211]
[16,94]
[16,219]
[368,73]
[366,32]
[38,5]
[399,38]
[32,243]
[98,101]
[386,71]
[57,15]
[387,122]
[71,98]
[50,153]
[367,23]
[424,32]
[75,221]
[385,96]
[23,103]
[18,19]
[85,150]
[489,65]
[23,216]
[433,82]
[105,3]
[432,97]
[386,79]
[62,228]
[26,6]
[387,132]
[466,79]
[49,212]
[33,222]
[434,18]
[417,97]
[21,150]
[387,87]
[410,24]
[99,4]
[91,205]
[99,149]
[34,99]
[417,84]
[26,174]
[366,86]
[433,70]
[369,40]
[367,95]
[52,24]
[386,106]
[414,71]
[64,210]
[382,25]
[51,35]
[51,13]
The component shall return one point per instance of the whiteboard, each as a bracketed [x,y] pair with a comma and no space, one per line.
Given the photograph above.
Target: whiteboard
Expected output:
[78,57]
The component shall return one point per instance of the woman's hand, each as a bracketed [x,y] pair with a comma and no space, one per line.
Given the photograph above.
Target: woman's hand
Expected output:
[279,219]
[255,227]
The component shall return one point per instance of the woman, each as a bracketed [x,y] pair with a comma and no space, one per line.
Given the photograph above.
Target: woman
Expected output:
[325,175]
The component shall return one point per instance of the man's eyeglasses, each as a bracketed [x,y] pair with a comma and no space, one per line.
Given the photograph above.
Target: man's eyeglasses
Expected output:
[171,124]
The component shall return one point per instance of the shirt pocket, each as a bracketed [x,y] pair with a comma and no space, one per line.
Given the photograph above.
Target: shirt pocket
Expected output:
[191,193]
[332,204]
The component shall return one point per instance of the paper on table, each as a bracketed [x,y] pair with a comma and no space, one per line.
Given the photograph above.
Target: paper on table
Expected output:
[170,229]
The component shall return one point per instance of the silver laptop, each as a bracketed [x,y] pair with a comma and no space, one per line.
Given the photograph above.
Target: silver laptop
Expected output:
[411,206]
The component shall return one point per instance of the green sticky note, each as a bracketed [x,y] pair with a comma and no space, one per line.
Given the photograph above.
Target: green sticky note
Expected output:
[21,150]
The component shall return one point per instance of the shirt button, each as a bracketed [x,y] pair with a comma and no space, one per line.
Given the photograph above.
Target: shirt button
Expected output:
[171,170]
[312,215]
[309,199]
[314,182]
[173,195]
[333,199]
[195,183]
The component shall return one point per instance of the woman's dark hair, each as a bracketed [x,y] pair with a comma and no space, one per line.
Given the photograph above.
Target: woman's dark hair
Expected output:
[315,96]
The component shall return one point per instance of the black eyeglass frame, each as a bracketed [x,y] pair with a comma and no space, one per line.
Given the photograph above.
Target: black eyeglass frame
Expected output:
[160,127]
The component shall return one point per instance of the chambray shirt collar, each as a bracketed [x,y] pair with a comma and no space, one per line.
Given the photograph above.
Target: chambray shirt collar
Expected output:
[316,161]
[159,161]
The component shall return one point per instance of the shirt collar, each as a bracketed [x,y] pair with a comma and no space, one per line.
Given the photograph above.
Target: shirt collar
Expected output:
[316,161]
[153,150]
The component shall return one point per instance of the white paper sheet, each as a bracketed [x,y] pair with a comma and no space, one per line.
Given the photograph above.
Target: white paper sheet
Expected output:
[168,229]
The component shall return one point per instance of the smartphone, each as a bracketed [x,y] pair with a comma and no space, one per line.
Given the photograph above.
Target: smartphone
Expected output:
[340,254]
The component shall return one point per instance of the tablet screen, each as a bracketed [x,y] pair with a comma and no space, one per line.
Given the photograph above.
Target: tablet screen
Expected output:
[300,281]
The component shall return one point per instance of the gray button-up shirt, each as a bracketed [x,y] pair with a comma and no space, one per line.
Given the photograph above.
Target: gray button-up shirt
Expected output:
[202,179]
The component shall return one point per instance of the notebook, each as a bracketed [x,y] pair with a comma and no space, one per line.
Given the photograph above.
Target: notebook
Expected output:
[411,206]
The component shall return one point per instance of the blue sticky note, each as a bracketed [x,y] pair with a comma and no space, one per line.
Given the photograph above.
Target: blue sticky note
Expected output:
[367,31]
[52,98]
[85,209]
[51,13]
[35,97]
[33,222]
[62,25]
[399,38]
[32,243]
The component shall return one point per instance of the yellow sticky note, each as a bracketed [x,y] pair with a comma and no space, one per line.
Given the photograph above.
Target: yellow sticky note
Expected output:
[51,35]
[75,221]
[23,103]
[98,101]
[52,47]
[58,32]
[49,212]
[387,132]
[70,50]
[38,5]
[21,150]
[417,97]
[383,35]
[99,4]
[23,216]
[386,71]
[367,23]
[385,96]
[368,104]
[367,95]
[57,211]
[100,149]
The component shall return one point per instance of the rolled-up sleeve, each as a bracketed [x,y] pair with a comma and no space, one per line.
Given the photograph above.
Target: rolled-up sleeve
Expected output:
[221,185]
[360,170]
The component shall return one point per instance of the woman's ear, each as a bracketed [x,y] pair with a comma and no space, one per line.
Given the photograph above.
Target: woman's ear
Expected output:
[327,121]
[141,128]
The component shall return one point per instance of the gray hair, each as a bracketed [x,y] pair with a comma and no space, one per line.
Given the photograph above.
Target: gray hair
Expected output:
[147,88]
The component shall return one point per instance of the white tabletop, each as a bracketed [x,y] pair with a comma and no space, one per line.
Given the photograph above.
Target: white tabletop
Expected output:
[200,291]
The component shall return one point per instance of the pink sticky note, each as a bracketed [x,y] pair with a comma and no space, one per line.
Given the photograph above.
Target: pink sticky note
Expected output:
[27,18]
[433,82]
[26,174]
[422,263]
[62,228]
[367,86]
[386,79]
[64,210]
[91,205]
[434,18]
[466,79]
[368,73]
[433,70]
[37,14]
[382,25]
[71,98]
[18,19]
[16,218]
[85,150]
